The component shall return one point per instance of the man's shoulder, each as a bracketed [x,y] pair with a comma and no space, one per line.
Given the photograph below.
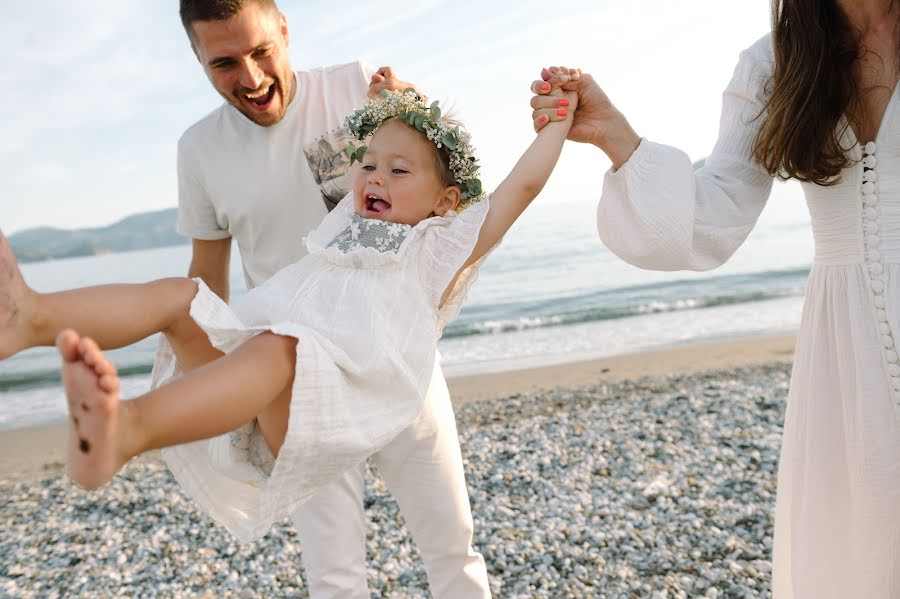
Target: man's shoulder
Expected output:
[334,70]
[203,128]
[353,73]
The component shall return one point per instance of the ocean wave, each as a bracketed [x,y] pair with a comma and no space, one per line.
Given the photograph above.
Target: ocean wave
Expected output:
[505,317]
[35,379]
[630,302]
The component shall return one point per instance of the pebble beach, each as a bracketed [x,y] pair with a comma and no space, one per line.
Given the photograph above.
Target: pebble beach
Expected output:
[659,487]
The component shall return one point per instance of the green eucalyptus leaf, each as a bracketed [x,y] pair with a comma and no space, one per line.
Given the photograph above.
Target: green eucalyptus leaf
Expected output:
[384,93]
[358,154]
[449,140]
[464,195]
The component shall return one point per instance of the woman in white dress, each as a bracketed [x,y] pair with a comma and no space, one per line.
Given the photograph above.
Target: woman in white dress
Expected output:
[327,361]
[814,101]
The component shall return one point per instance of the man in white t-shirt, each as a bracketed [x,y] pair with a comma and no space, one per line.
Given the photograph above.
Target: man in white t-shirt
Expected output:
[264,169]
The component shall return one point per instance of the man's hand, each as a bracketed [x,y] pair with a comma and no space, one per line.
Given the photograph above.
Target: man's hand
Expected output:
[596,120]
[384,78]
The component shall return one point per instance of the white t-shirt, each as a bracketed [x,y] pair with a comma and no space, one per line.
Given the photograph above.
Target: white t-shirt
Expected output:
[267,187]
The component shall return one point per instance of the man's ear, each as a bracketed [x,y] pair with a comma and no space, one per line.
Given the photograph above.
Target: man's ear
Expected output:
[284,29]
[448,201]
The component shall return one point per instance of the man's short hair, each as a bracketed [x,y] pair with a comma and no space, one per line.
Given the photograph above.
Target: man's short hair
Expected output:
[215,10]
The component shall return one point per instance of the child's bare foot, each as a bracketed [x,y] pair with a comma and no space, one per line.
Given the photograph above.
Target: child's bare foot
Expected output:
[92,388]
[13,293]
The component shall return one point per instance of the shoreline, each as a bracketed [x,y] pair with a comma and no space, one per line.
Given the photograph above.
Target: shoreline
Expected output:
[37,452]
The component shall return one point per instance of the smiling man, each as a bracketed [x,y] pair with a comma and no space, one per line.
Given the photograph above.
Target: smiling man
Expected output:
[264,169]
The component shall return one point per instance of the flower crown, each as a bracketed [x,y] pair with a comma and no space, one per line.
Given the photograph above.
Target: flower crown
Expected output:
[413,108]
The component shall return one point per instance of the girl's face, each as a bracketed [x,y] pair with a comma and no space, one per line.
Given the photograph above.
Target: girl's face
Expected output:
[398,178]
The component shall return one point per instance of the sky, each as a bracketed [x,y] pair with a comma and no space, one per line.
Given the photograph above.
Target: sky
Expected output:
[99,92]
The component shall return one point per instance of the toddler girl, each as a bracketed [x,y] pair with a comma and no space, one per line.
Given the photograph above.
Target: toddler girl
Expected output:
[327,361]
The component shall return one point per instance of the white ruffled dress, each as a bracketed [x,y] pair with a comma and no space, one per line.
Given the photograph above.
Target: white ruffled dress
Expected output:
[363,307]
[837,516]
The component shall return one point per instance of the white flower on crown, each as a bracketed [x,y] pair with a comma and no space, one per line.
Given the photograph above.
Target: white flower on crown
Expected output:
[414,109]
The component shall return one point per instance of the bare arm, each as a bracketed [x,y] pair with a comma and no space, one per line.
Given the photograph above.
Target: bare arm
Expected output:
[210,261]
[524,182]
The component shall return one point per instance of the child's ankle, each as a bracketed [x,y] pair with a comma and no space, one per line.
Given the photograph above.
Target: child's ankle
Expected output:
[35,325]
[131,432]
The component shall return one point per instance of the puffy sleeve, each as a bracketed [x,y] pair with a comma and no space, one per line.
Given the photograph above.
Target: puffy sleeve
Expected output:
[449,242]
[657,213]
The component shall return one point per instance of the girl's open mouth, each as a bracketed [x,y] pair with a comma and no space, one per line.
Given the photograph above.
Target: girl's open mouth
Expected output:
[376,204]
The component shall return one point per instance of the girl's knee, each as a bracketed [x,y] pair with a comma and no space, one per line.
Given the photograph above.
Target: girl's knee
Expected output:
[280,344]
[185,288]
[180,291]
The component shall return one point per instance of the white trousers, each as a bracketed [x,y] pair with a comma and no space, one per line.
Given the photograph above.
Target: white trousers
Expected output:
[423,469]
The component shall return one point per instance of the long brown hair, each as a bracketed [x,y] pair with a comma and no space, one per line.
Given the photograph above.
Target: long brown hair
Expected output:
[814,84]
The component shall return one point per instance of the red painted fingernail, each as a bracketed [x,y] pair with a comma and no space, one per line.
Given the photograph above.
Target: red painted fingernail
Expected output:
[543,118]
[562,112]
[545,86]
[563,102]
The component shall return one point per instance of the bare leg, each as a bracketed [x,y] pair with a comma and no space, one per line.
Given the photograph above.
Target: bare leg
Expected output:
[113,315]
[209,401]
[13,295]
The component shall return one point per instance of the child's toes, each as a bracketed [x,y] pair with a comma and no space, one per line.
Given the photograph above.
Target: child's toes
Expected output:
[109,383]
[67,344]
[101,365]
[90,352]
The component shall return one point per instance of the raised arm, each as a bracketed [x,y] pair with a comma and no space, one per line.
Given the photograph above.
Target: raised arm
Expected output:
[527,177]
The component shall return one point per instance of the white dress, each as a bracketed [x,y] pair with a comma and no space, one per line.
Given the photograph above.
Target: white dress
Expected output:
[363,306]
[837,517]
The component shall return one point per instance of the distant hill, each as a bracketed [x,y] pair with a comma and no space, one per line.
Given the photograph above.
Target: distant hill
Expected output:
[136,232]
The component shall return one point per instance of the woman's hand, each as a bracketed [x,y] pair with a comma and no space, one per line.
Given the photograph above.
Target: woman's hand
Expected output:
[557,104]
[596,120]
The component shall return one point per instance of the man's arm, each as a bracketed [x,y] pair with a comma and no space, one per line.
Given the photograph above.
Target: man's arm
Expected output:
[210,261]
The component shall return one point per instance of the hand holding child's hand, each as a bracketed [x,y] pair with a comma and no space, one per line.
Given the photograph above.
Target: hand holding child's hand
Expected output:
[558,99]
[385,78]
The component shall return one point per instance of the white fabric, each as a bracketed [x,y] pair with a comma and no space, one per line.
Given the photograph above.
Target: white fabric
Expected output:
[367,325]
[269,186]
[837,522]
[422,467]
